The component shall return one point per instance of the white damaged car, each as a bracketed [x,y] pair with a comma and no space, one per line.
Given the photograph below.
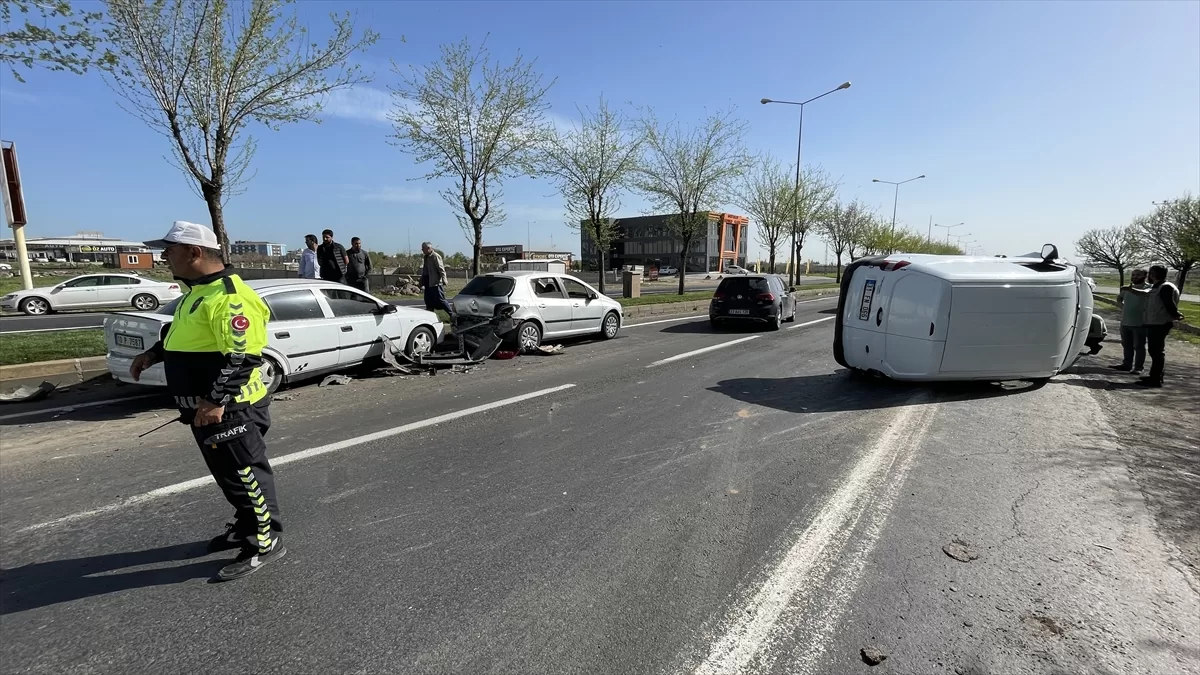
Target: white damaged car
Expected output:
[316,327]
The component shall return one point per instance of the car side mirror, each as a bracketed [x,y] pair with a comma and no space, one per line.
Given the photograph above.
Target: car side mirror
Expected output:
[792,289]
[388,309]
[1049,253]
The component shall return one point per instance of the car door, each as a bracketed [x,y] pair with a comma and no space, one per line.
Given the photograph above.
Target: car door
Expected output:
[76,293]
[358,321]
[300,330]
[586,313]
[553,305]
[116,291]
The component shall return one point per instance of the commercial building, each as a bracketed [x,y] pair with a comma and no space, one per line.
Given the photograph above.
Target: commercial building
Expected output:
[518,252]
[647,239]
[84,247]
[262,248]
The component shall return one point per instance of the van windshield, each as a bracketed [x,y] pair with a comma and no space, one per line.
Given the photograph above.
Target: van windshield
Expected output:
[744,285]
[488,287]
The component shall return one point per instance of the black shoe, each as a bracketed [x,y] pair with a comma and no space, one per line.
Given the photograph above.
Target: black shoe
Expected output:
[1121,367]
[250,561]
[230,540]
[1147,382]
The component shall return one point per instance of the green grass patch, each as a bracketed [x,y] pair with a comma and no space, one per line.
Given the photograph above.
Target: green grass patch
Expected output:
[1190,312]
[33,347]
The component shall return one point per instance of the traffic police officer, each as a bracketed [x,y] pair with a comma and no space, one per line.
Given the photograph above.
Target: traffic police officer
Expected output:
[212,354]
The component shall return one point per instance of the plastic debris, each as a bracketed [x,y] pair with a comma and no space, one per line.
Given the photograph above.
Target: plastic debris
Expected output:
[28,394]
[336,379]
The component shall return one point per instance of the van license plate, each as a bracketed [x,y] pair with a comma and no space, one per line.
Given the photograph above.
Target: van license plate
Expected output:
[739,311]
[131,341]
[868,297]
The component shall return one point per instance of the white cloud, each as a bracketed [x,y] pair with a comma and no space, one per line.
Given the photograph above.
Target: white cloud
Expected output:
[539,214]
[395,194]
[360,103]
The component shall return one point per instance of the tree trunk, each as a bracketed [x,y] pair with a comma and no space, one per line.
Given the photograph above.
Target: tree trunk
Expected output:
[601,254]
[771,259]
[1181,278]
[1121,275]
[683,265]
[212,197]
[477,246]
[838,278]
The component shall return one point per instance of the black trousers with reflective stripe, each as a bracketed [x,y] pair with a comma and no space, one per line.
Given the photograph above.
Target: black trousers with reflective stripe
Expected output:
[240,466]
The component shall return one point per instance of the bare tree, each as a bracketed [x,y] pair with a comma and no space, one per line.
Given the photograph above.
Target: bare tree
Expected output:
[766,194]
[842,226]
[200,71]
[1117,247]
[591,164]
[1172,235]
[59,38]
[691,171]
[478,122]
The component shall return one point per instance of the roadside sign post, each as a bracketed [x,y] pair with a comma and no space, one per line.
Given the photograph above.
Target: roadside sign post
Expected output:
[14,207]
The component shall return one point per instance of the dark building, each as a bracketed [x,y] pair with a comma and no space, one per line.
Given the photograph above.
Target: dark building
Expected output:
[646,239]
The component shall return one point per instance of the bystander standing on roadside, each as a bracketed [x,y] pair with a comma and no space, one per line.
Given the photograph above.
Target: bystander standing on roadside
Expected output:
[358,266]
[1133,323]
[331,259]
[433,280]
[1162,311]
[308,257]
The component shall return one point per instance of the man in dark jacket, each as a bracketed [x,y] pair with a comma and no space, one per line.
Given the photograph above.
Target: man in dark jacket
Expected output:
[358,266]
[1162,311]
[332,259]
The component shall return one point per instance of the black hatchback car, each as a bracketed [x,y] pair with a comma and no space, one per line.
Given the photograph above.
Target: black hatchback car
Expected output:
[761,298]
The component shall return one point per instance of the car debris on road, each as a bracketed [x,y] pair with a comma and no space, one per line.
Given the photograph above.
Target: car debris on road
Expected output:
[28,394]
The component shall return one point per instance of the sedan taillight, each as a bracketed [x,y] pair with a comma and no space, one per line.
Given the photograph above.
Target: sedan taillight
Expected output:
[766,297]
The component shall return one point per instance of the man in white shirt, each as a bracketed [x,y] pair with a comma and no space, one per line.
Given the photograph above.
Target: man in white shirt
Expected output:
[308,258]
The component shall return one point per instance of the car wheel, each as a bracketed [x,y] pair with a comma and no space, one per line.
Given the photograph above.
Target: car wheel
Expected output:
[420,341]
[612,324]
[272,374]
[35,306]
[145,302]
[778,322]
[792,318]
[529,337]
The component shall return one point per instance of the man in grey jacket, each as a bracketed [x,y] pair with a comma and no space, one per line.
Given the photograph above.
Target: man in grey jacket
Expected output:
[1162,311]
[358,266]
[433,280]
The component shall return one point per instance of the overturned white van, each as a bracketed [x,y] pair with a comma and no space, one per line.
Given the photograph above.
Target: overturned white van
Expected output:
[931,317]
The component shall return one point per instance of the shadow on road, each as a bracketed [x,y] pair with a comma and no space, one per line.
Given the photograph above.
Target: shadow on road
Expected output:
[50,409]
[49,583]
[842,391]
[706,328]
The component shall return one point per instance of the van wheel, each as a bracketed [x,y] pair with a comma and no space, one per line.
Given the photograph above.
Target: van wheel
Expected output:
[272,374]
[145,302]
[610,326]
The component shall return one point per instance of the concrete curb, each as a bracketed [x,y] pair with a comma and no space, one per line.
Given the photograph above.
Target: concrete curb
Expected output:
[62,372]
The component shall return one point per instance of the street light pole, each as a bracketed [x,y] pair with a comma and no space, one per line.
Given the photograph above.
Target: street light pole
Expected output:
[948,228]
[799,144]
[895,201]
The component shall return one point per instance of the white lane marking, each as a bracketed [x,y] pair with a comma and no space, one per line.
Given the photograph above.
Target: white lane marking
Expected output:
[92,404]
[678,318]
[809,323]
[302,454]
[753,629]
[705,350]
[51,330]
[805,302]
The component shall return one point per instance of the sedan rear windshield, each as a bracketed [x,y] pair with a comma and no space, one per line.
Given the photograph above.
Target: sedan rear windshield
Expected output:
[488,287]
[745,285]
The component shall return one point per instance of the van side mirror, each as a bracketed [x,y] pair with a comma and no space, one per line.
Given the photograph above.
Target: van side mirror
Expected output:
[1049,253]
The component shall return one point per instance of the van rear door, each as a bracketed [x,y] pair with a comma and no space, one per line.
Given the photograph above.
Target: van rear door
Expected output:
[864,317]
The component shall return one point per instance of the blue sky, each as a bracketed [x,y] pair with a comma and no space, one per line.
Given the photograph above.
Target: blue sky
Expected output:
[1033,121]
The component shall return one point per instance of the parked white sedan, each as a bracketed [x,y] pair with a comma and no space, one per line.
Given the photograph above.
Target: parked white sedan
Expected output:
[93,291]
[316,327]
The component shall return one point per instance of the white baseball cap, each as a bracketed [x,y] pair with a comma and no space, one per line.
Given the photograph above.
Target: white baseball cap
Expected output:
[183,232]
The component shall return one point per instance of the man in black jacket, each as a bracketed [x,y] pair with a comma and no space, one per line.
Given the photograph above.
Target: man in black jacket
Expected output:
[358,267]
[331,259]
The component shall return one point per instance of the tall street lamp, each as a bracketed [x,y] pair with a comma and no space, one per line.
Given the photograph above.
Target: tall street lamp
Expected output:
[799,141]
[948,228]
[895,200]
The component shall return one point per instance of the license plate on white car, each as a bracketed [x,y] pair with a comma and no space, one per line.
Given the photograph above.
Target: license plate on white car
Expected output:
[131,341]
[739,311]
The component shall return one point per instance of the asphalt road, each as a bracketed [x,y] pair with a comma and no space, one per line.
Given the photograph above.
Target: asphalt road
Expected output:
[675,500]
[81,320]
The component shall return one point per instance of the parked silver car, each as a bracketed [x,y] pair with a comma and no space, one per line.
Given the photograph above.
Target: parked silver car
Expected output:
[549,306]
